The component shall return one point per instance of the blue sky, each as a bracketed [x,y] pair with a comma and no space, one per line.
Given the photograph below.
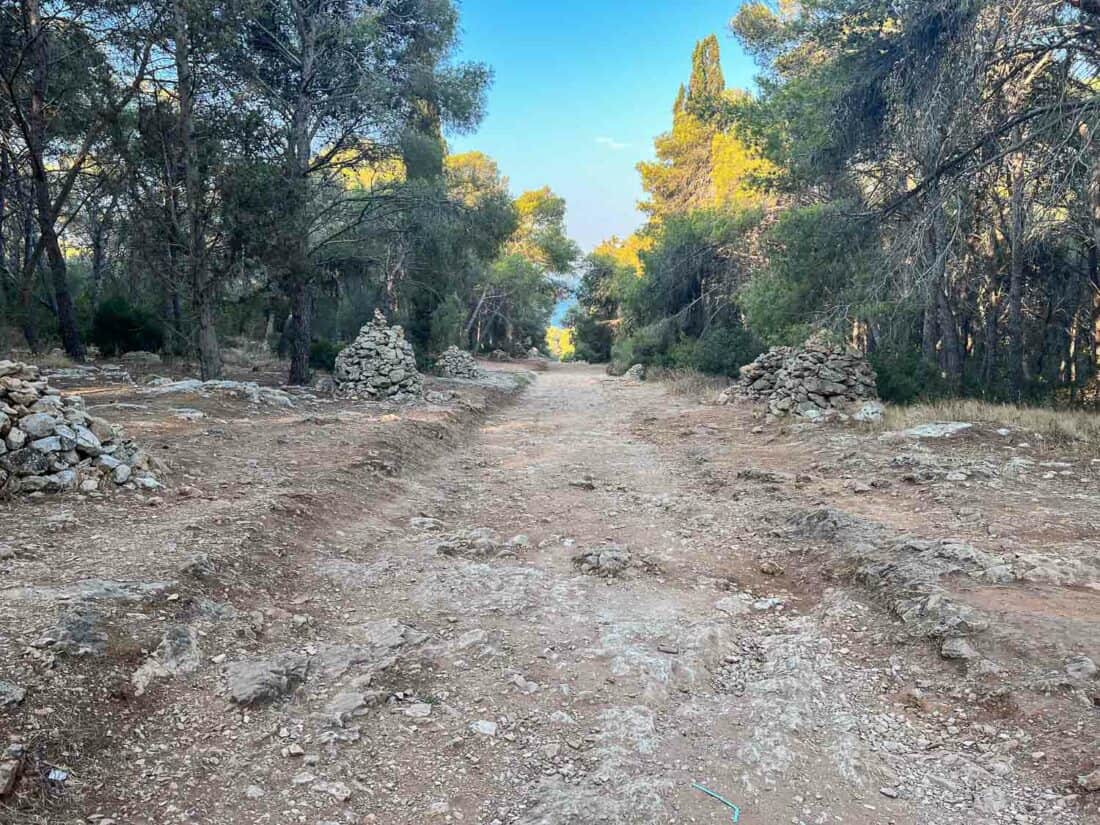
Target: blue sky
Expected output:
[581,88]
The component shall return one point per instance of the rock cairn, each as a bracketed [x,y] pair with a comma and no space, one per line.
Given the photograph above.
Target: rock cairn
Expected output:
[51,444]
[812,381]
[635,373]
[457,363]
[379,364]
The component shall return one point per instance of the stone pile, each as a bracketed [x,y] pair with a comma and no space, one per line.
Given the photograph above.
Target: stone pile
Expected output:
[51,444]
[813,381]
[379,364]
[457,363]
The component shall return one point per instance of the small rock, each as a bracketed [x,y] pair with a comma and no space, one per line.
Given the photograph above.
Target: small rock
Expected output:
[1081,667]
[337,790]
[343,707]
[484,727]
[606,561]
[763,605]
[870,413]
[9,775]
[959,649]
[771,568]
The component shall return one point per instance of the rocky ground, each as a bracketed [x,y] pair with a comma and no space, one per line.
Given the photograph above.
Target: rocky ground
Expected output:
[559,607]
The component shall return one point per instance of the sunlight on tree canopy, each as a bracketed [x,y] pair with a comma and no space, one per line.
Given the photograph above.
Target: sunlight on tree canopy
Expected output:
[560,342]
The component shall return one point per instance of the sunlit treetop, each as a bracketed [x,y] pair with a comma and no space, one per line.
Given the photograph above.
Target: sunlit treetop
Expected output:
[627,251]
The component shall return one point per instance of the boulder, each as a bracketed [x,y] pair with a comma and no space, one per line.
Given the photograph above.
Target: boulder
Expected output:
[265,680]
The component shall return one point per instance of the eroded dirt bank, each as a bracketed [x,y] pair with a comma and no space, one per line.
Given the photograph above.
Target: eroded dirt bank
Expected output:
[337,615]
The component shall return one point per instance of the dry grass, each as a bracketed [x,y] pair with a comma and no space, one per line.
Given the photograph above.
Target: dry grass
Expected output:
[689,383]
[244,354]
[55,359]
[1073,429]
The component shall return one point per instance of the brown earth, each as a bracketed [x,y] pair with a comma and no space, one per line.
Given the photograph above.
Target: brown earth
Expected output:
[462,668]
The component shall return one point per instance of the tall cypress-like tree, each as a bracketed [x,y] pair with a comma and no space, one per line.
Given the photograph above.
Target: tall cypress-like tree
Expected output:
[704,94]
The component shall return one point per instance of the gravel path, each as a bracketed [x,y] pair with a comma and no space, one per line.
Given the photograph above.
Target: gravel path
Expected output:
[562,621]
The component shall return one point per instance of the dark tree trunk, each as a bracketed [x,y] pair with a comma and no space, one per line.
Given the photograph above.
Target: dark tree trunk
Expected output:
[47,218]
[198,272]
[952,350]
[300,333]
[27,274]
[298,278]
[1016,371]
[5,172]
[210,355]
[938,314]
[1094,259]
[99,255]
[26,309]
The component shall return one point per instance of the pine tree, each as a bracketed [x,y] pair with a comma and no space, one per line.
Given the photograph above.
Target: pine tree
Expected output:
[707,81]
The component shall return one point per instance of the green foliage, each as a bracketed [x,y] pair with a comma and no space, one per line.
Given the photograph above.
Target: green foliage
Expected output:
[818,258]
[525,303]
[903,375]
[651,345]
[540,235]
[692,271]
[604,285]
[322,354]
[449,324]
[721,350]
[592,336]
[704,92]
[118,327]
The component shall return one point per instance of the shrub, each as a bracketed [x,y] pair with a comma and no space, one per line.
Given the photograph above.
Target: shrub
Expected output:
[119,327]
[904,377]
[322,354]
[448,325]
[650,345]
[721,350]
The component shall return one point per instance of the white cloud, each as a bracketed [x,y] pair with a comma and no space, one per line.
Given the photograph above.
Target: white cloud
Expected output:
[612,144]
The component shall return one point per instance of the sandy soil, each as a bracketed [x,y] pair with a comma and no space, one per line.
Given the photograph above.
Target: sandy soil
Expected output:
[457,665]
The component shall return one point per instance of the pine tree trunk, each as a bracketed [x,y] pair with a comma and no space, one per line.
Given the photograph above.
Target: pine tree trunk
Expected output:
[198,275]
[1094,260]
[27,270]
[210,355]
[5,174]
[939,320]
[1016,371]
[47,219]
[298,278]
[300,333]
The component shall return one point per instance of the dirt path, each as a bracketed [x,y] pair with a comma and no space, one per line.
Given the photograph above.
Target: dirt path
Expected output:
[438,656]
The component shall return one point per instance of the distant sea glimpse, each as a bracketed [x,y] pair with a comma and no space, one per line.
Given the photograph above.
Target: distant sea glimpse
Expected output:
[564,305]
